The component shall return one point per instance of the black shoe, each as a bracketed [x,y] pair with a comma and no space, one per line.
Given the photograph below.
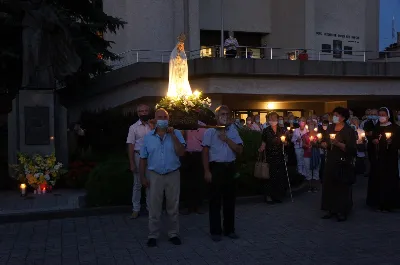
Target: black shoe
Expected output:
[152,242]
[175,240]
[232,236]
[341,218]
[327,216]
[216,238]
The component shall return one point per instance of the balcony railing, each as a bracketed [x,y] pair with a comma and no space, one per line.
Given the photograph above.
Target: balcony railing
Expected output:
[266,53]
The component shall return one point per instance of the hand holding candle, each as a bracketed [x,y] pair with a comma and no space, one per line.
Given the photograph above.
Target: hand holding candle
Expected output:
[388,139]
[332,136]
[283,138]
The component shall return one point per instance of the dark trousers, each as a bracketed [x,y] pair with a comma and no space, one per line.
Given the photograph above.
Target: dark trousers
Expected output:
[222,188]
[322,167]
[192,180]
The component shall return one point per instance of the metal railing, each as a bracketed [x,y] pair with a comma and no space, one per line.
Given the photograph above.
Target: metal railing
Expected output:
[266,53]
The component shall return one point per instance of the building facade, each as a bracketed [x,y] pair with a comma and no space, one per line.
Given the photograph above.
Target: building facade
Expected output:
[329,30]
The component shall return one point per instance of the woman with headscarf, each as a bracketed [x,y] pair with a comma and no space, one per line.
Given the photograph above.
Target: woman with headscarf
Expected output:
[383,188]
[339,172]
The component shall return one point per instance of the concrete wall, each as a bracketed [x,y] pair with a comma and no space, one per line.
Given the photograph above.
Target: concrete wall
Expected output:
[239,15]
[287,24]
[153,25]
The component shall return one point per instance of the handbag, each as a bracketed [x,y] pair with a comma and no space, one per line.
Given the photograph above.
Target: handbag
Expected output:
[261,168]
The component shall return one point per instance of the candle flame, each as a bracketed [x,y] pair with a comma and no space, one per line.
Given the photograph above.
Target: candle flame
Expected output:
[283,138]
[319,136]
[22,186]
[388,135]
[333,136]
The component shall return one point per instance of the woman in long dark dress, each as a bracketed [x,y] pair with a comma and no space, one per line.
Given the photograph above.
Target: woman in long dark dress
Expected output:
[383,184]
[341,148]
[272,146]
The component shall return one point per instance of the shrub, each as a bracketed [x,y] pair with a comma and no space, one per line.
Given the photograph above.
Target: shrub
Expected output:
[110,183]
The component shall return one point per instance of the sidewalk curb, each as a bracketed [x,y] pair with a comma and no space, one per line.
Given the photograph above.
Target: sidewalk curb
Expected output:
[84,212]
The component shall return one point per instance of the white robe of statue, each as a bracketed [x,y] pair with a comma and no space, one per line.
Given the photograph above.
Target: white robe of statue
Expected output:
[178,74]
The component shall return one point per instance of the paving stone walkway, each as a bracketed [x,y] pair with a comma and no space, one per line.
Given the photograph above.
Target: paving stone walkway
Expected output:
[290,233]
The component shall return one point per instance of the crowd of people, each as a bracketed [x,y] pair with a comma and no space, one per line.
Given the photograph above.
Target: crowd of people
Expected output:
[330,151]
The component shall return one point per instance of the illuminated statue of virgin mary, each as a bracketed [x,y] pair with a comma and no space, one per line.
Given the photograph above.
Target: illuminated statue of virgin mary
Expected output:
[178,71]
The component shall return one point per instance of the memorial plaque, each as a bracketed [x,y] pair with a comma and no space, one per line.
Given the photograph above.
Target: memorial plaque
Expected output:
[37,125]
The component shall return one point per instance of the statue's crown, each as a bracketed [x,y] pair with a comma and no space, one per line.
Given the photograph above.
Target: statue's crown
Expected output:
[181,37]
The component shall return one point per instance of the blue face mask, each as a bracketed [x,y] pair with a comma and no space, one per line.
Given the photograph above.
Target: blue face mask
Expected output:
[162,124]
[291,121]
[335,119]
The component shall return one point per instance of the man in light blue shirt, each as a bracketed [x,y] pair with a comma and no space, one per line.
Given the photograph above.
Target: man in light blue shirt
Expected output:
[159,158]
[220,147]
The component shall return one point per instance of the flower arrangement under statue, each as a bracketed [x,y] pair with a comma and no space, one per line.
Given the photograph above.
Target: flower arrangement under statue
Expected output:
[39,172]
[183,106]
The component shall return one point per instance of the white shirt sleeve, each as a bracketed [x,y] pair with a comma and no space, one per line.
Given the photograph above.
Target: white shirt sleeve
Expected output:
[131,139]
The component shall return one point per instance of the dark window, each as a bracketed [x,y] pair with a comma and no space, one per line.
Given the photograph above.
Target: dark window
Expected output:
[348,50]
[326,48]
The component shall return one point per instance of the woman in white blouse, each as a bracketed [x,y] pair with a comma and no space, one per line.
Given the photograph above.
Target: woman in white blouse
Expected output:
[256,126]
[298,145]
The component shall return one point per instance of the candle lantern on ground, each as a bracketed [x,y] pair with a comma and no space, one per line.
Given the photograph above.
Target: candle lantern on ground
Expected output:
[23,189]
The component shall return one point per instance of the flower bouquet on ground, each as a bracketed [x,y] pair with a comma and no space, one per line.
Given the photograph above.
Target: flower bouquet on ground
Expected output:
[184,110]
[39,172]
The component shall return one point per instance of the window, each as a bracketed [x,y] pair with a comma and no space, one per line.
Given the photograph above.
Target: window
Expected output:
[348,50]
[206,51]
[326,48]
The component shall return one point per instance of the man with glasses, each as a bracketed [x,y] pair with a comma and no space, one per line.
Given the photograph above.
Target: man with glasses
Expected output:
[220,147]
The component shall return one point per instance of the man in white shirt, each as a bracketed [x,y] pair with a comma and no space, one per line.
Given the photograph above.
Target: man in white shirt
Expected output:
[136,134]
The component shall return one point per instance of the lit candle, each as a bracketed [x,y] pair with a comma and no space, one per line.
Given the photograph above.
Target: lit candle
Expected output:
[23,189]
[363,135]
[319,136]
[306,127]
[332,136]
[312,138]
[44,191]
[315,129]
[288,128]
[283,138]
[388,135]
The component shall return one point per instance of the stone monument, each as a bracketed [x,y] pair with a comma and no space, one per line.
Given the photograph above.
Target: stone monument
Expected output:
[38,122]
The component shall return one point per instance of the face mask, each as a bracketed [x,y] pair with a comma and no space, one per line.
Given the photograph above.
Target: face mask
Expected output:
[314,120]
[374,117]
[354,127]
[291,121]
[335,119]
[324,127]
[273,123]
[383,119]
[144,118]
[280,121]
[223,119]
[257,120]
[248,122]
[302,123]
[162,124]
